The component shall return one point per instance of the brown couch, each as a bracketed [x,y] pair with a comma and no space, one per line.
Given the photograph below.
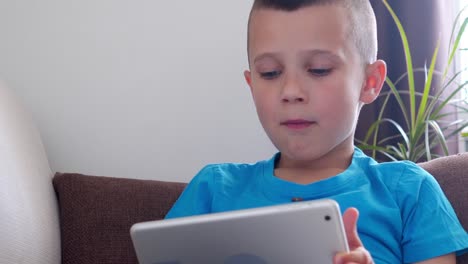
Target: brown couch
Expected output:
[96,212]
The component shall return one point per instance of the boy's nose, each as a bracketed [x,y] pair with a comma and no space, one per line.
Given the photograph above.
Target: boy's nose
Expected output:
[292,92]
[292,99]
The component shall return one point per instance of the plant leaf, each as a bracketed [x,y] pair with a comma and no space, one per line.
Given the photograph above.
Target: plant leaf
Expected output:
[440,135]
[400,101]
[446,100]
[409,62]
[455,24]
[455,44]
[422,112]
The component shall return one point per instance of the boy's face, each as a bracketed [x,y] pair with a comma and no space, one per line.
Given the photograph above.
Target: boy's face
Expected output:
[306,78]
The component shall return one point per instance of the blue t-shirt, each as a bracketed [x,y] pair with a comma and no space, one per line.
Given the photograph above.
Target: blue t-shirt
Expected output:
[404,215]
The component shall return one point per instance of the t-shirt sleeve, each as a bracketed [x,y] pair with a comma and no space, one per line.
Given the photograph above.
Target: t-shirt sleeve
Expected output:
[430,225]
[196,199]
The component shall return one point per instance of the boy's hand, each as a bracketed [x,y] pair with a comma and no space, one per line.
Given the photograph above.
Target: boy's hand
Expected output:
[357,253]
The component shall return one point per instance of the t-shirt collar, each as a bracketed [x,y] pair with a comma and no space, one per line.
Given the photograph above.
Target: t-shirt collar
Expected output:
[278,189]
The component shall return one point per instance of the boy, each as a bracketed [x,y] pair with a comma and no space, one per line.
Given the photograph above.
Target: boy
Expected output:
[312,67]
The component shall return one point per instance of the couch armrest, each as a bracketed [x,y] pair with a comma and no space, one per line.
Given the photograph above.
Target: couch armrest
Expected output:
[452,174]
[29,222]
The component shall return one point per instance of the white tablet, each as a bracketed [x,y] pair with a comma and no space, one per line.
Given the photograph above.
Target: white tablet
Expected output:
[301,232]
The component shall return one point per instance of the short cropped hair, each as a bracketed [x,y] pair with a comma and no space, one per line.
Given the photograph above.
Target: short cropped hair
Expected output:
[362,26]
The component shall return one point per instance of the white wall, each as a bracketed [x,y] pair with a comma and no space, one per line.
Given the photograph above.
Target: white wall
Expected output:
[134,88]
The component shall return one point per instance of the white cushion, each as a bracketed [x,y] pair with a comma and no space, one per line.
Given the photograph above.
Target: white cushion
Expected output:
[29,223]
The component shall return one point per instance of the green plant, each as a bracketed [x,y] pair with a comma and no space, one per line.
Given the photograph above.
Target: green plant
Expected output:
[425,127]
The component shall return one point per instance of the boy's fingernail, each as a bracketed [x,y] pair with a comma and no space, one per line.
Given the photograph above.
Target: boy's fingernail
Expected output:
[339,258]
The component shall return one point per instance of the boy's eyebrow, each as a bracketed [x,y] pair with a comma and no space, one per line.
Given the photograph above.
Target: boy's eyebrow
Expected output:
[332,55]
[265,55]
[313,52]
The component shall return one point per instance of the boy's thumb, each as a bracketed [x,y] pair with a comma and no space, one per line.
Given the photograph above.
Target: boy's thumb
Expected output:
[350,218]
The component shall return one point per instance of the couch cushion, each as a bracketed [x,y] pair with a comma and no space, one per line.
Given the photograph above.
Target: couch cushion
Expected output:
[96,214]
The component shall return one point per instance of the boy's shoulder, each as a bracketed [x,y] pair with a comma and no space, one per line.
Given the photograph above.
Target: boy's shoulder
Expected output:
[395,174]
[394,168]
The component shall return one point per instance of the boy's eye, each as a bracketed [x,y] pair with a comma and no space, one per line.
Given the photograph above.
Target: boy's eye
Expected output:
[270,75]
[320,72]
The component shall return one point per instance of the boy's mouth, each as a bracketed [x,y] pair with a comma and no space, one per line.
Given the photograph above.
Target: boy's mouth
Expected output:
[297,124]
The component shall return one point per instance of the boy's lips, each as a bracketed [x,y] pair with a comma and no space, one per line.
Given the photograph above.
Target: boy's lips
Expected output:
[297,124]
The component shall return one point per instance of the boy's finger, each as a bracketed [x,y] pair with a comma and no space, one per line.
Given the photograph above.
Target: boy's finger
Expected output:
[350,218]
[359,255]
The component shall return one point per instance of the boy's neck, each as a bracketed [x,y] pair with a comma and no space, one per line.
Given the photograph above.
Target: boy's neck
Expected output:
[305,172]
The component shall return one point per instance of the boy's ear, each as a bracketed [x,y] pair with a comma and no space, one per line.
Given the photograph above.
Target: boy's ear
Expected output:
[374,80]
[248,78]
